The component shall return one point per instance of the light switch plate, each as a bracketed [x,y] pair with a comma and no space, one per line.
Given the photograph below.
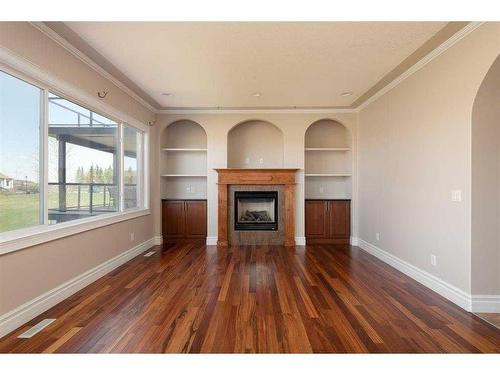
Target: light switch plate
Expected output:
[456,195]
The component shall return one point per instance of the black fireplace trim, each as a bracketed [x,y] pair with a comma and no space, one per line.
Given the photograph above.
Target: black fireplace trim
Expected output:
[265,225]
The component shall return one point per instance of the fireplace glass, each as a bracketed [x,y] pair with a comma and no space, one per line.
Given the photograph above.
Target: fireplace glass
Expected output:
[256,210]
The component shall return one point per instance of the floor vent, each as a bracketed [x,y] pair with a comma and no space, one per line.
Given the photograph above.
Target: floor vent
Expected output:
[148,254]
[35,329]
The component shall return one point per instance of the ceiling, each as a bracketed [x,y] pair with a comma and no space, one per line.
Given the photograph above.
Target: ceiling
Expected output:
[221,64]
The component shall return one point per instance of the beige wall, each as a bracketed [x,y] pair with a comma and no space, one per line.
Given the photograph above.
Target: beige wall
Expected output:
[251,142]
[28,42]
[293,127]
[414,148]
[28,273]
[486,185]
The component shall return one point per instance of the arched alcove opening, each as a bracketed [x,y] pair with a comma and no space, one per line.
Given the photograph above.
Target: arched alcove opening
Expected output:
[184,134]
[485,234]
[255,144]
[183,161]
[328,161]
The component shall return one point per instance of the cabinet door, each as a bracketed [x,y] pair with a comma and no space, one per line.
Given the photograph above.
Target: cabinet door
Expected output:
[316,219]
[196,219]
[340,219]
[173,219]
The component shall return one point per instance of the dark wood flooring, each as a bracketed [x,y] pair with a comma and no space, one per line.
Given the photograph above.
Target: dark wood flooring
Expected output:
[197,299]
[492,318]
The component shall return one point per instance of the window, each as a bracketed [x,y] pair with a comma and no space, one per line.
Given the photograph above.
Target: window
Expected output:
[20,115]
[83,158]
[132,156]
[63,162]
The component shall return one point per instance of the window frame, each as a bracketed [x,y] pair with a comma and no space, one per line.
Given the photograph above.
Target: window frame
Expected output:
[25,237]
[140,171]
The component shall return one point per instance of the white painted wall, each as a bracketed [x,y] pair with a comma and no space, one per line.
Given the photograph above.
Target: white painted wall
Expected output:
[293,126]
[414,147]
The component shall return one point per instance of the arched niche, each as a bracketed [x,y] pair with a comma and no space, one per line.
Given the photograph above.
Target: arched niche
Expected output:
[485,241]
[183,161]
[184,134]
[327,133]
[255,144]
[327,161]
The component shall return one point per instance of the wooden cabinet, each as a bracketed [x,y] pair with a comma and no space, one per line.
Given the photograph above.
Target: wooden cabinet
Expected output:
[184,220]
[328,221]
[316,219]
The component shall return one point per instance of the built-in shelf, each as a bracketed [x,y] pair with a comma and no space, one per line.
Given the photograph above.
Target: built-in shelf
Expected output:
[183,161]
[328,149]
[184,175]
[328,175]
[169,149]
[328,161]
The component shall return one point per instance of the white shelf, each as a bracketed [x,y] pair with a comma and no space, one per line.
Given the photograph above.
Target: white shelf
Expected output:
[328,175]
[183,175]
[328,149]
[168,149]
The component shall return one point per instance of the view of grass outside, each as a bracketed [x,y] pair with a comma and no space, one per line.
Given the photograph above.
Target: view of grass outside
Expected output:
[18,211]
[22,210]
[82,152]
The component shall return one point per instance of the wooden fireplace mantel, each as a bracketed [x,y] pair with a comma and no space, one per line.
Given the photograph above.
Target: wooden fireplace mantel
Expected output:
[237,176]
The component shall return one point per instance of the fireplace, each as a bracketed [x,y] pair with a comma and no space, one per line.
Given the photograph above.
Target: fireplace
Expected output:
[256,210]
[280,182]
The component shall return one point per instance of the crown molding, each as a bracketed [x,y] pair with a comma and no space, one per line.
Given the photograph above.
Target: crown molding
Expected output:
[422,62]
[21,66]
[250,110]
[88,61]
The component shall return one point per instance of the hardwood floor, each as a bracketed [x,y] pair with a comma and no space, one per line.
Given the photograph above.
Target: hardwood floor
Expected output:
[192,298]
[492,318]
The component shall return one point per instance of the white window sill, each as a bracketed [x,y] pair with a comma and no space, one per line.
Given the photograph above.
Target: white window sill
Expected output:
[23,238]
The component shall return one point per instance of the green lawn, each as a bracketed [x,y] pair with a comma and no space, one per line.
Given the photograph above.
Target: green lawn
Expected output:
[22,210]
[18,211]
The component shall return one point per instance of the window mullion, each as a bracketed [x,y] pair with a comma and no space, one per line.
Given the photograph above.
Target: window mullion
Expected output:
[140,168]
[44,159]
[120,168]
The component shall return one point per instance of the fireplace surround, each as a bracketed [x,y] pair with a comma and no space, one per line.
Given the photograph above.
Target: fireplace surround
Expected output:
[236,179]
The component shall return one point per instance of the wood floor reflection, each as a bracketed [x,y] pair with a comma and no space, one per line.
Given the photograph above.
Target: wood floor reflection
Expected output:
[193,298]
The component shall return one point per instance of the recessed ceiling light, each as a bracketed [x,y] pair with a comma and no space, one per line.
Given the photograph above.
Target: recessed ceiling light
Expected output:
[256,94]
[347,93]
[167,94]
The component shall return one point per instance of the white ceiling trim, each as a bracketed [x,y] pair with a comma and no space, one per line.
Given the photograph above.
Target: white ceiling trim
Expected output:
[187,111]
[413,69]
[87,60]
[421,63]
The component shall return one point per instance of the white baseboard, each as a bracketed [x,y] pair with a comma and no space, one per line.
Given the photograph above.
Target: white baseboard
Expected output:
[354,241]
[448,291]
[29,310]
[157,240]
[211,240]
[485,303]
[300,241]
